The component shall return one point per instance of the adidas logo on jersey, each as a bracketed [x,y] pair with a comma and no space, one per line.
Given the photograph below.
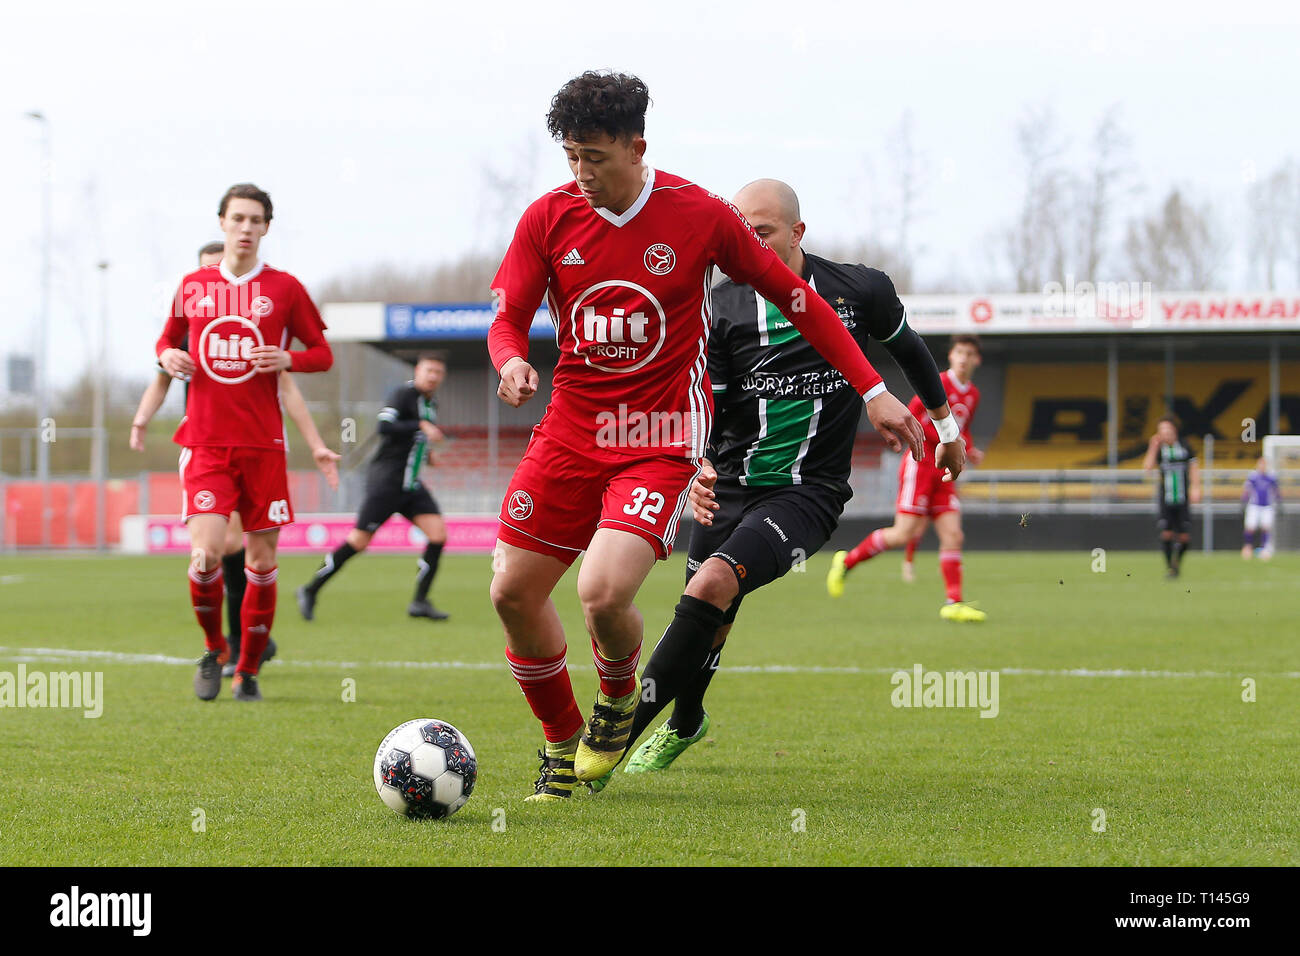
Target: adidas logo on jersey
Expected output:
[573,258]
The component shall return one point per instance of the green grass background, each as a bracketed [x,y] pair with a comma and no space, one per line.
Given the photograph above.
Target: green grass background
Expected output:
[1184,770]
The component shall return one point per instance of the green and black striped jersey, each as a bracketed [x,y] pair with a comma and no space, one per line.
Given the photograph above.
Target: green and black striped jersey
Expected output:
[403,447]
[783,414]
[1175,463]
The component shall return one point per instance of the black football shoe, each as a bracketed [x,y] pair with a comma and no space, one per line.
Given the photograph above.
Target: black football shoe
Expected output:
[425,609]
[207,679]
[244,687]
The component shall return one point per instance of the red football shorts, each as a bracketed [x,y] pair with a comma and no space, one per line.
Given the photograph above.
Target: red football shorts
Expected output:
[559,496]
[252,481]
[922,490]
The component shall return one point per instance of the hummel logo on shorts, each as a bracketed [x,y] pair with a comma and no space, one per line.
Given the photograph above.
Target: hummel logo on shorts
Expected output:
[573,258]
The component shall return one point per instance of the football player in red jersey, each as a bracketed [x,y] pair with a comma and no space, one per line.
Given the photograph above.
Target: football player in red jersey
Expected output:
[623,256]
[238,317]
[926,494]
[232,558]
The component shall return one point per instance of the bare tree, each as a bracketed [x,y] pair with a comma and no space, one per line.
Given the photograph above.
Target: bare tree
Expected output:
[1035,243]
[1178,248]
[890,209]
[505,191]
[1273,235]
[466,279]
[1098,190]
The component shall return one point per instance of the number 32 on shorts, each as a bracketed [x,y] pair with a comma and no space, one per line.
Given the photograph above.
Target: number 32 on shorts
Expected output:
[646,503]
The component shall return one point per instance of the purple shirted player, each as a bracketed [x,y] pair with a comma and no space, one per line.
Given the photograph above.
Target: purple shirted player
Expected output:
[1260,495]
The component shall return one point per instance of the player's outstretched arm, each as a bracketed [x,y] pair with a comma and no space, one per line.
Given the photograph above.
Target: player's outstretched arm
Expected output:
[154,395]
[1194,471]
[296,408]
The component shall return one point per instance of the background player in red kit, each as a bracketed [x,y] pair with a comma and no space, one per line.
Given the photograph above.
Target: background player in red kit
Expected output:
[925,493]
[623,257]
[238,318]
[232,558]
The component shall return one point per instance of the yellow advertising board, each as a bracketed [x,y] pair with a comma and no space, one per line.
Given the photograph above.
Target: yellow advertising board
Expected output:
[1055,415]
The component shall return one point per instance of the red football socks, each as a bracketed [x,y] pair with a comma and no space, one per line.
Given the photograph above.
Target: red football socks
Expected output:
[207,591]
[617,678]
[256,614]
[950,565]
[549,692]
[871,546]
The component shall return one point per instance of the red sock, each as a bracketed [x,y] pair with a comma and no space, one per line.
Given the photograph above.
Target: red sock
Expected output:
[256,615]
[207,593]
[950,565]
[546,686]
[871,546]
[617,678]
[911,549]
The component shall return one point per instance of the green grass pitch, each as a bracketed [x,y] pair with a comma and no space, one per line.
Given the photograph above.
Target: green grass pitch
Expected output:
[807,762]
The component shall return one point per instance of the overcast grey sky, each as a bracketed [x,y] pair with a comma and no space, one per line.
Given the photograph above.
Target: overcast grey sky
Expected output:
[370,125]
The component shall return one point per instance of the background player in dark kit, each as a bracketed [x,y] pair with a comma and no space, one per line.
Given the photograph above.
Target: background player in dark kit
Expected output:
[1178,489]
[393,486]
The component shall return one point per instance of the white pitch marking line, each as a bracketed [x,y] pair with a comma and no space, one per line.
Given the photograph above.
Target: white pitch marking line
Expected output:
[56,655]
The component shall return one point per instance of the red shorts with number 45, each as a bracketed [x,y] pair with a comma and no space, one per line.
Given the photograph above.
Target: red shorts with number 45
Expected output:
[252,481]
[921,488]
[558,497]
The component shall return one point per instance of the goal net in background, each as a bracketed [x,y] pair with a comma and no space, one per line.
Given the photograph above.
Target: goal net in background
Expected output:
[1282,452]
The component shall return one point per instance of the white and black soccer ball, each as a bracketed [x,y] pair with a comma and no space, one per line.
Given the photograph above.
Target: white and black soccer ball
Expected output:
[425,768]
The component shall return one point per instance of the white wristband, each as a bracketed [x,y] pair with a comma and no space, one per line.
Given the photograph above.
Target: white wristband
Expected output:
[874,390]
[947,428]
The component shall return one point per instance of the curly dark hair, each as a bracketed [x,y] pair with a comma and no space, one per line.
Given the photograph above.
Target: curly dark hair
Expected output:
[599,102]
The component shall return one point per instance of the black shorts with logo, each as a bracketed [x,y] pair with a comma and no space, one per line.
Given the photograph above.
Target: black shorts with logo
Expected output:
[763,532]
[380,505]
[1175,518]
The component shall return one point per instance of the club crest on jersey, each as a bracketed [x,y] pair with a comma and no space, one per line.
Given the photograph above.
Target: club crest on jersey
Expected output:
[261,306]
[660,259]
[226,349]
[521,505]
[617,326]
[846,313]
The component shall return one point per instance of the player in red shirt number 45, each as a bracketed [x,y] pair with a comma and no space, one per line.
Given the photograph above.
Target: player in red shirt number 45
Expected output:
[238,317]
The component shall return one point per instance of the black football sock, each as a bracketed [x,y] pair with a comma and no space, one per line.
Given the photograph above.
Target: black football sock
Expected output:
[330,566]
[232,567]
[1169,552]
[1179,548]
[681,652]
[428,568]
[688,710]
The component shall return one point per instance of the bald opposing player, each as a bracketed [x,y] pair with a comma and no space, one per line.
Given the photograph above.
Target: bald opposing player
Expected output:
[776,475]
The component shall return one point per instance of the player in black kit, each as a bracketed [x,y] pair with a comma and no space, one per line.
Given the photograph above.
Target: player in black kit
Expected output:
[393,486]
[776,480]
[1179,488]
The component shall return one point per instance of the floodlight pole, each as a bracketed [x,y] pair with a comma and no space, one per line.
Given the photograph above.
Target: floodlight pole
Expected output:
[99,444]
[42,332]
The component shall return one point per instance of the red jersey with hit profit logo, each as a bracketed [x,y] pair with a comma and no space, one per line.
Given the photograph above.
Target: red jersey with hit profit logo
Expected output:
[223,317]
[629,297]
